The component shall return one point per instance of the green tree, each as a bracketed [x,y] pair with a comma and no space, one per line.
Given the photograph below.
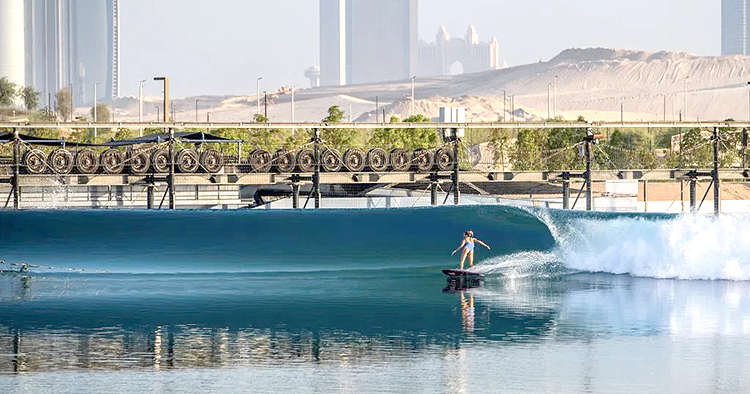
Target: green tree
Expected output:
[338,139]
[409,139]
[103,114]
[64,99]
[30,97]
[64,103]
[8,92]
[527,153]
[630,149]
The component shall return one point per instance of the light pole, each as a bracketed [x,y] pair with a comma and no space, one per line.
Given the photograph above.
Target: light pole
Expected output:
[513,108]
[140,105]
[294,88]
[549,98]
[554,108]
[158,116]
[505,111]
[257,94]
[166,96]
[196,111]
[412,95]
[96,118]
[684,104]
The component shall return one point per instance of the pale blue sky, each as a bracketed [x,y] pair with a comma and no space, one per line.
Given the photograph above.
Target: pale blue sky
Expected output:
[222,46]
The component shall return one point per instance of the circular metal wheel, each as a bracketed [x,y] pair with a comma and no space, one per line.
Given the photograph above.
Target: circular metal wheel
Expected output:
[87,161]
[187,161]
[306,160]
[212,161]
[354,160]
[260,161]
[34,161]
[331,160]
[400,159]
[422,159]
[160,161]
[444,159]
[113,161]
[285,160]
[377,159]
[61,161]
[139,162]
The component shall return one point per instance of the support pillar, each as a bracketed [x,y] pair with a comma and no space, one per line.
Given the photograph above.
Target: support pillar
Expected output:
[316,175]
[150,196]
[433,193]
[645,195]
[715,174]
[16,170]
[295,195]
[456,191]
[693,193]
[566,194]
[170,178]
[589,140]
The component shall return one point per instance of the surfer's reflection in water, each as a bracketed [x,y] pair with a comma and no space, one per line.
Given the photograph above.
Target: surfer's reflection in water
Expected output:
[467,312]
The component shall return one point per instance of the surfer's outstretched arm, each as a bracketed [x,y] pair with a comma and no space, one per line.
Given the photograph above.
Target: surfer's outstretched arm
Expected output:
[482,243]
[459,247]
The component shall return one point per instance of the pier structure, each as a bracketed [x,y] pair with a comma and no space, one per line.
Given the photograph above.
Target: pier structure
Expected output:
[204,177]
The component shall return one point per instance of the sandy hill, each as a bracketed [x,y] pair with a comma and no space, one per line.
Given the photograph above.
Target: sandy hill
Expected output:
[594,82]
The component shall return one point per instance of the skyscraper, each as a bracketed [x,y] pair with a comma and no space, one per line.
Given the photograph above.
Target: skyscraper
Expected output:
[734,27]
[363,41]
[56,44]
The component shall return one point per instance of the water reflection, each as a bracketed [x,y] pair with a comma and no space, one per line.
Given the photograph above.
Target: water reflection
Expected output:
[116,322]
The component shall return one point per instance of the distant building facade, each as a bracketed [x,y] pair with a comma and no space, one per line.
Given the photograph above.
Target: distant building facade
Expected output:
[473,56]
[363,41]
[64,44]
[734,27]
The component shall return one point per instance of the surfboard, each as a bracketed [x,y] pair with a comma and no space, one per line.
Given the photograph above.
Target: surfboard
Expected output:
[456,273]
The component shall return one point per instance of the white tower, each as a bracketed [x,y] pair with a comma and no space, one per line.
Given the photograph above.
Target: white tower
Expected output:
[12,41]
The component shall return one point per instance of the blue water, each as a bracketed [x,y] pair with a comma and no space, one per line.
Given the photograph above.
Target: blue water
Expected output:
[354,300]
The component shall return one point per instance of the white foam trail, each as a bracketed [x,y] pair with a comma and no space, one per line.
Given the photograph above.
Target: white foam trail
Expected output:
[685,247]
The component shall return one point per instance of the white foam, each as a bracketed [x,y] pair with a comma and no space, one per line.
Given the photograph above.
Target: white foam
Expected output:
[691,247]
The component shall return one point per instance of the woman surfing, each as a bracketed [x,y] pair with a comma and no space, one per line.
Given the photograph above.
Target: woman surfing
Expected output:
[468,247]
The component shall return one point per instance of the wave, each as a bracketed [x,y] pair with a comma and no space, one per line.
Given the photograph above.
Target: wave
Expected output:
[526,242]
[688,247]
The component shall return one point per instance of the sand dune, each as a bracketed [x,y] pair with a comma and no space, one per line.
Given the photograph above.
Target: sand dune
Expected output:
[594,82]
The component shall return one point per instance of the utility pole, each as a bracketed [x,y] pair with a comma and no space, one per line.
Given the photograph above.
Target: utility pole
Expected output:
[684,108]
[265,105]
[513,108]
[196,111]
[294,88]
[377,109]
[96,117]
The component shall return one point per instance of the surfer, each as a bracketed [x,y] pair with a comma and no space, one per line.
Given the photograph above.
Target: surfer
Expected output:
[468,246]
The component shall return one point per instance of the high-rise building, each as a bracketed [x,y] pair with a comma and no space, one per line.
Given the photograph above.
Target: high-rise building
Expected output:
[56,44]
[364,41]
[734,27]
[12,41]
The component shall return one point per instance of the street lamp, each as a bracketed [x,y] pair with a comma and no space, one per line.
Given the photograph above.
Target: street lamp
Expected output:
[294,88]
[166,96]
[505,111]
[158,116]
[96,119]
[412,94]
[549,99]
[684,108]
[196,111]
[554,108]
[257,94]
[140,100]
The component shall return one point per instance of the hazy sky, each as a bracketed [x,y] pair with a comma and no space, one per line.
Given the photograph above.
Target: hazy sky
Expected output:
[222,46]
